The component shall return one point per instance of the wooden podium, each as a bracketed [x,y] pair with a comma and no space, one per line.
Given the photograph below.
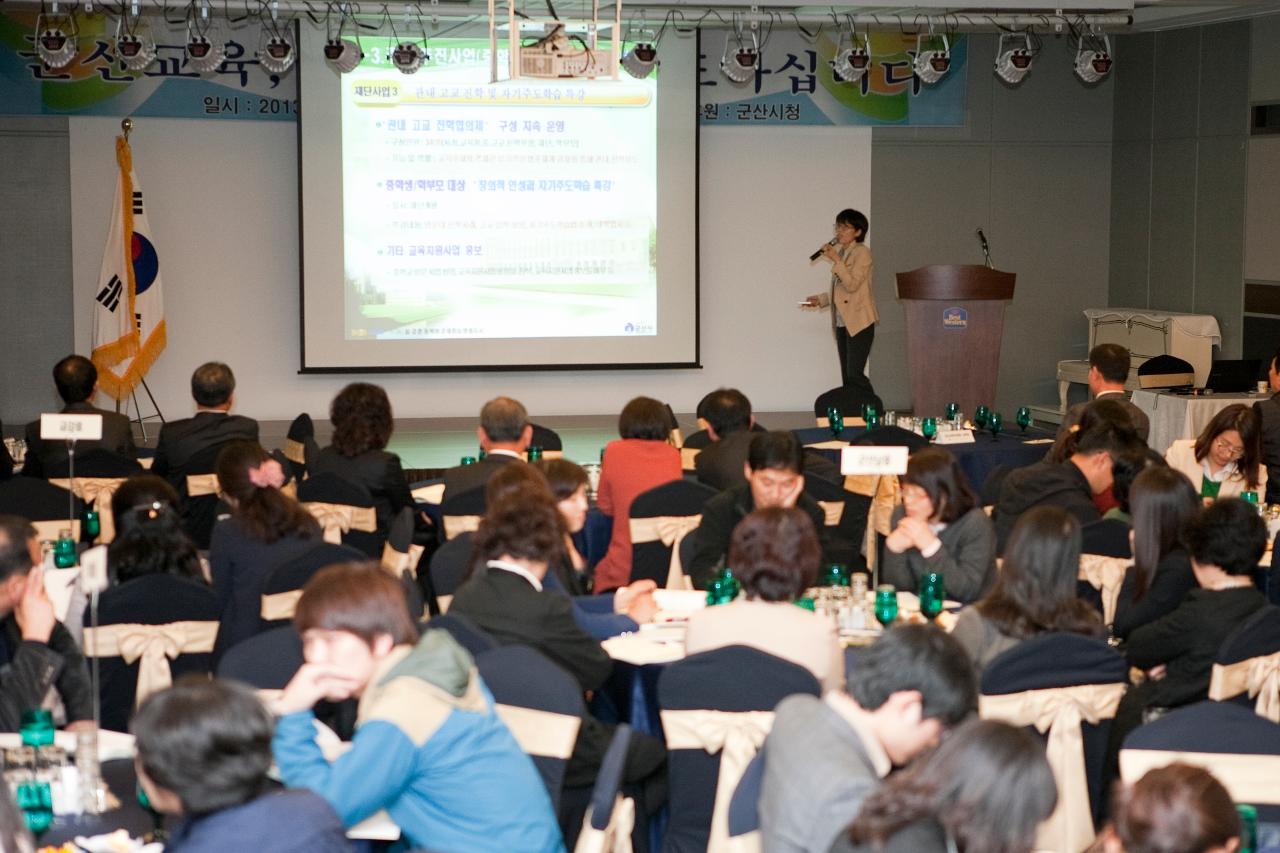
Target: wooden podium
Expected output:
[955,320]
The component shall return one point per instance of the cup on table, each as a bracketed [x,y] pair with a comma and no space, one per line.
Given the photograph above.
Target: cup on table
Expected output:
[534,453]
[1263,387]
[468,460]
[932,592]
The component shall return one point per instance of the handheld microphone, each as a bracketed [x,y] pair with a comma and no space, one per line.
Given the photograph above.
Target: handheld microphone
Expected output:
[818,253]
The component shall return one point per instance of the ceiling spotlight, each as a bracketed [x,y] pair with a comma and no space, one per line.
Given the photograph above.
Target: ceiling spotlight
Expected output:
[1093,58]
[408,57]
[931,65]
[1013,57]
[343,55]
[135,46]
[55,39]
[276,50]
[740,65]
[851,63]
[204,55]
[640,61]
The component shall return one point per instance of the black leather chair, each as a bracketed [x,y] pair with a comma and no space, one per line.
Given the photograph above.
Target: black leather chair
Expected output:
[469,635]
[332,489]
[292,575]
[847,399]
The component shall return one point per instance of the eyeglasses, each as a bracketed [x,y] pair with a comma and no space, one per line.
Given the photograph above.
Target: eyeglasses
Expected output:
[1225,446]
[841,227]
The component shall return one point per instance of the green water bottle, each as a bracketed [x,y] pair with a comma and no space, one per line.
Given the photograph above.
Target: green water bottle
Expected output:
[36,727]
[1248,828]
[64,550]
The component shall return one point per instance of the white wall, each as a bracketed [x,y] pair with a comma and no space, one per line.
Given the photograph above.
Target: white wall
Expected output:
[222,200]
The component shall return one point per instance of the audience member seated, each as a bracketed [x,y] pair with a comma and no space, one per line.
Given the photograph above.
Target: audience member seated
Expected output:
[823,757]
[518,539]
[1108,371]
[265,528]
[1173,809]
[1162,501]
[429,747]
[183,442]
[204,749]
[939,528]
[1268,412]
[1226,458]
[149,537]
[76,379]
[1109,535]
[362,426]
[1034,592]
[1078,468]
[38,657]
[984,790]
[504,434]
[774,479]
[1225,542]
[775,556]
[701,438]
[641,460]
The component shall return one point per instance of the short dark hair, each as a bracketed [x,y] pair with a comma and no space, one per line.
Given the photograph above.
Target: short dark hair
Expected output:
[1111,361]
[359,598]
[209,742]
[1105,425]
[511,478]
[563,476]
[150,539]
[856,219]
[1162,500]
[937,472]
[212,384]
[1244,420]
[524,523]
[644,418]
[503,420]
[74,377]
[361,418]
[774,553]
[1175,809]
[726,410]
[777,449]
[916,657]
[15,554]
[1228,534]
[1126,467]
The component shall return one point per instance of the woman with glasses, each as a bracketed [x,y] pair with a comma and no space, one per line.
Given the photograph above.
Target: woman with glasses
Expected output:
[853,307]
[1226,459]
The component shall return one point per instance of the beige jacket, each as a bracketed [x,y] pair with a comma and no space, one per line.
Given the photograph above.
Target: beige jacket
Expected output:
[1181,456]
[851,289]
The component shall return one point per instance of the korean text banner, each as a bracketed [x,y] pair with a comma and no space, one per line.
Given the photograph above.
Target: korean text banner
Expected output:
[793,83]
[95,83]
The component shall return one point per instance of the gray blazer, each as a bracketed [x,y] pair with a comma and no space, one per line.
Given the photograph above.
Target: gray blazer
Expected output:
[967,558]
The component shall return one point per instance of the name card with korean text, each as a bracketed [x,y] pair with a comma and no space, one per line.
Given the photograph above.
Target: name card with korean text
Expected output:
[883,461]
[71,427]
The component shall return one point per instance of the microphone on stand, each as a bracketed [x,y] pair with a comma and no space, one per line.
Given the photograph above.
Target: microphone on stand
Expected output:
[818,253]
[986,251]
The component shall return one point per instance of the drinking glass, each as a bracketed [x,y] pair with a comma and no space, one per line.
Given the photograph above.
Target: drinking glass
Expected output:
[835,575]
[64,550]
[980,415]
[35,799]
[873,418]
[90,525]
[886,604]
[534,453]
[953,409]
[1024,419]
[932,592]
[929,428]
[835,421]
[995,423]
[468,460]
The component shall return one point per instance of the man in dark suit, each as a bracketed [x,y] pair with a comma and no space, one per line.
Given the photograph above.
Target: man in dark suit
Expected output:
[731,427]
[77,381]
[1108,371]
[1269,413]
[188,446]
[504,434]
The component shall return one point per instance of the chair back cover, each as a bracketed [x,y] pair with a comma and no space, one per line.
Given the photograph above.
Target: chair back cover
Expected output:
[607,825]
[448,568]
[345,510]
[847,399]
[152,630]
[744,808]
[1106,537]
[717,708]
[469,635]
[462,513]
[265,662]
[541,705]
[661,518]
[36,499]
[98,462]
[1247,667]
[846,513]
[282,583]
[546,438]
[1166,371]
[96,492]
[1240,748]
[1106,575]
[200,507]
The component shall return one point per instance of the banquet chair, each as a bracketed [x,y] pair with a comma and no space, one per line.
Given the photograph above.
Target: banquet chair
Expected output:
[890,436]
[345,510]
[548,439]
[847,399]
[448,569]
[469,635]
[282,582]
[99,472]
[744,808]
[461,513]
[1106,537]
[661,519]
[611,815]
[674,436]
[1246,669]
[540,703]
[715,717]
[42,503]
[1067,688]
[151,630]
[846,515]
[400,557]
[98,462]
[266,661]
[197,488]
[299,445]
[1106,576]
[1240,748]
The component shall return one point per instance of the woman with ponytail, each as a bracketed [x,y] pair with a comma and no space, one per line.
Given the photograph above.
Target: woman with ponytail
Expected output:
[266,527]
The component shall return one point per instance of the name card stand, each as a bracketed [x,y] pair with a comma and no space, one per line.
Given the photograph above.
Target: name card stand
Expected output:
[71,427]
[873,459]
[955,436]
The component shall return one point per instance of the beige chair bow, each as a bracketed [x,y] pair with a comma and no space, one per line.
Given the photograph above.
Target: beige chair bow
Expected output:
[97,492]
[688,458]
[1060,711]
[278,606]
[337,519]
[832,512]
[670,530]
[737,736]
[542,733]
[1105,574]
[456,525]
[614,838]
[1260,676]
[199,485]
[153,646]
[295,451]
[398,562]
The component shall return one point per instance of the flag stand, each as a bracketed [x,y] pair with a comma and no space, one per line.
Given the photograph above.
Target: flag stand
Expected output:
[139,418]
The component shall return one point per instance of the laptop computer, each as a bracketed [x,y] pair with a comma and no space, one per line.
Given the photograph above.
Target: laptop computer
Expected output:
[1233,376]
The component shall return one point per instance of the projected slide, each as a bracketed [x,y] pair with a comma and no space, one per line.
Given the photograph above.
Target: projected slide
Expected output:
[523,209]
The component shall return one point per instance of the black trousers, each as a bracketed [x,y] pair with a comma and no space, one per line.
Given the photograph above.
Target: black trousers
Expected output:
[853,350]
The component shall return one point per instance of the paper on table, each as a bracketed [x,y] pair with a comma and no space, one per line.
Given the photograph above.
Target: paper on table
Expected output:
[1039,441]
[674,602]
[59,584]
[834,444]
[640,650]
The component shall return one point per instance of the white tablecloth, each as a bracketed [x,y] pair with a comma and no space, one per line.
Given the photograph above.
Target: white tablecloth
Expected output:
[1175,416]
[1196,325]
